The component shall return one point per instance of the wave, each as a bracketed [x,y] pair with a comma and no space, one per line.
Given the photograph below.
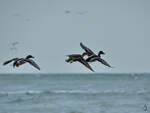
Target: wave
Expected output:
[19,100]
[106,92]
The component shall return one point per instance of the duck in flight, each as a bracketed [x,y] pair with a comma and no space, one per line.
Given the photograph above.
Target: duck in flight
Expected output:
[21,61]
[92,57]
[77,57]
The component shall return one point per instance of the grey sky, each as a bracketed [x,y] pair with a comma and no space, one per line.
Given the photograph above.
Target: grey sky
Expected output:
[43,28]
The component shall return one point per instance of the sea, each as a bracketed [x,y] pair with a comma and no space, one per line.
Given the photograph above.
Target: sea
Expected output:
[75,93]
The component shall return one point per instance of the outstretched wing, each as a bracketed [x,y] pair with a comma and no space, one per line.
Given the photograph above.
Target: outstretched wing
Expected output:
[32,63]
[74,55]
[86,64]
[87,50]
[103,62]
[7,62]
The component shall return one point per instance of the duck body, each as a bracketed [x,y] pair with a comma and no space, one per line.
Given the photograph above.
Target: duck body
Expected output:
[97,58]
[92,57]
[78,58]
[21,61]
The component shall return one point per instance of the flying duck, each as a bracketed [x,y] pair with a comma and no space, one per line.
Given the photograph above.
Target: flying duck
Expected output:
[20,61]
[92,56]
[77,57]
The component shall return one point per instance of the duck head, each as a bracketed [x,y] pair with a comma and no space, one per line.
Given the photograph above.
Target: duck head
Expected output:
[101,52]
[29,56]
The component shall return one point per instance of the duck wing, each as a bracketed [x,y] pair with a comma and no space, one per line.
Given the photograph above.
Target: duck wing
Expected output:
[74,55]
[86,64]
[32,63]
[103,62]
[7,62]
[87,50]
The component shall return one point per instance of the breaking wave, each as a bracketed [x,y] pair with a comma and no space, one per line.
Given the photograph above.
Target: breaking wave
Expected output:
[106,92]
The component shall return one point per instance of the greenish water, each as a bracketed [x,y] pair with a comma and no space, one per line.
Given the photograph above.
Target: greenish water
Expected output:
[74,93]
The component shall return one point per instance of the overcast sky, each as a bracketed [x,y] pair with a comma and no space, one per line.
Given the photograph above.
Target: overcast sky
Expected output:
[51,29]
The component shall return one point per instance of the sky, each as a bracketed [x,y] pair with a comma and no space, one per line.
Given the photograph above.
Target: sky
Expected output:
[52,29]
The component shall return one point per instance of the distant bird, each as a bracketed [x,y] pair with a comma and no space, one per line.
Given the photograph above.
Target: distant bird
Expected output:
[13,46]
[145,107]
[67,11]
[92,56]
[13,49]
[77,57]
[15,43]
[82,12]
[21,61]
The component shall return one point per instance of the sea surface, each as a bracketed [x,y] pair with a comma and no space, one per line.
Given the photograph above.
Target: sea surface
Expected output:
[74,93]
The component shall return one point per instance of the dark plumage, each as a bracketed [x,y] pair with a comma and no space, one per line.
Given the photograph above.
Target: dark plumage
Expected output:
[97,58]
[92,56]
[21,61]
[7,62]
[88,51]
[79,58]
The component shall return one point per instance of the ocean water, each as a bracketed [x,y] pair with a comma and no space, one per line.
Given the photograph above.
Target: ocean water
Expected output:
[74,93]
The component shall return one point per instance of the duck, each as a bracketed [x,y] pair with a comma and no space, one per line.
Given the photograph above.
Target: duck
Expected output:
[78,57]
[21,61]
[92,57]
[16,60]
